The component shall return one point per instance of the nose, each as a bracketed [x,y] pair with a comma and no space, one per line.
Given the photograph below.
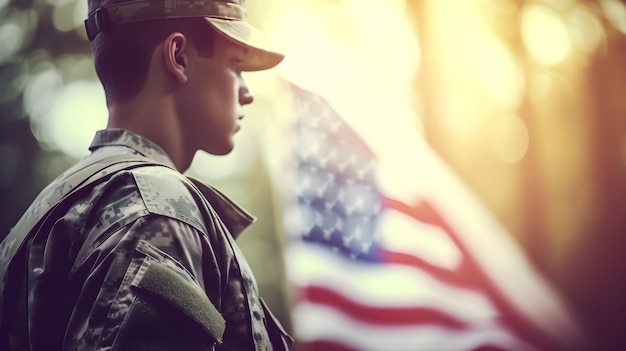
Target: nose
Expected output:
[245,96]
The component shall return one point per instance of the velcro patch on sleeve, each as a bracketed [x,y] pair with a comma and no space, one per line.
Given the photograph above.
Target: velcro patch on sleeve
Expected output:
[164,282]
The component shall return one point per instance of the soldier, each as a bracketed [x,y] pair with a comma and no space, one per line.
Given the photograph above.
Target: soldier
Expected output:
[122,251]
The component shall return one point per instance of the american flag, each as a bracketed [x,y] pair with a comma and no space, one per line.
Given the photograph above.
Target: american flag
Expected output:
[373,273]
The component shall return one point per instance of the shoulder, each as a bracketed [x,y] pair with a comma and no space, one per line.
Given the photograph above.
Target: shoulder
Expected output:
[168,193]
[137,193]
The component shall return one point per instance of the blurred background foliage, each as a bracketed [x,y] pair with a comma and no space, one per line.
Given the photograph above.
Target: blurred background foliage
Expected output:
[551,75]
[522,98]
[535,90]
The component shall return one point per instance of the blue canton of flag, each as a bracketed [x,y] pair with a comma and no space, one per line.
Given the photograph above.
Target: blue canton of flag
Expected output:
[336,183]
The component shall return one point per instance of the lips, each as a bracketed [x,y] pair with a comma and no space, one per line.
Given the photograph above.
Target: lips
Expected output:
[238,123]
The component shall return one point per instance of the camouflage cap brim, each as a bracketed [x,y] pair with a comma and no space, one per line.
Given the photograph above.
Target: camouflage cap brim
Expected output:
[227,17]
[259,56]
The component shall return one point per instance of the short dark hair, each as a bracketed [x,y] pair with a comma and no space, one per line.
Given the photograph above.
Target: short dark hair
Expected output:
[122,53]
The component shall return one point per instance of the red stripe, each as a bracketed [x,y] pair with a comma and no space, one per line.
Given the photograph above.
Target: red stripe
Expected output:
[326,345]
[390,316]
[464,276]
[425,212]
[323,345]
[491,348]
[421,211]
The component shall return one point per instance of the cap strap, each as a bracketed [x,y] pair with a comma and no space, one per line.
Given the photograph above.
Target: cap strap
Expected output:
[148,10]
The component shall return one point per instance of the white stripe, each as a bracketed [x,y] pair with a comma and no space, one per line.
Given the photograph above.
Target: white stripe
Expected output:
[384,285]
[487,241]
[401,233]
[315,322]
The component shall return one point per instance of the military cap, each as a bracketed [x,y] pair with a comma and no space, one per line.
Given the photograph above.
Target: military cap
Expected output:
[227,17]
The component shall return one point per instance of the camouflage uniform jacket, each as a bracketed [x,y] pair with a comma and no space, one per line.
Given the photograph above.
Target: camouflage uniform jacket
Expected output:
[131,264]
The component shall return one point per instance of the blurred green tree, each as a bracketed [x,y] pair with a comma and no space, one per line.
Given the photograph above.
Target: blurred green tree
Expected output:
[34,37]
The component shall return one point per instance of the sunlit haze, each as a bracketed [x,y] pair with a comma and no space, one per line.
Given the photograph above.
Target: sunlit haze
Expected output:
[516,106]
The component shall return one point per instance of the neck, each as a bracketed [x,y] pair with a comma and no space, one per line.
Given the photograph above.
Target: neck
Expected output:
[155,118]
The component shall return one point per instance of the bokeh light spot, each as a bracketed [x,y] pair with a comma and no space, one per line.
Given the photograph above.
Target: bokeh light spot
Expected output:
[16,30]
[65,15]
[41,92]
[545,35]
[10,40]
[76,67]
[615,12]
[80,14]
[78,112]
[585,28]
[509,138]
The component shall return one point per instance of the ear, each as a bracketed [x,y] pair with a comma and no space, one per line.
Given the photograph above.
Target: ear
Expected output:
[176,58]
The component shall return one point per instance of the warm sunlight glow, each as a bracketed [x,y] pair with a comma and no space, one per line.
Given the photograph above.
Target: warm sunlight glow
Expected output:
[501,75]
[366,73]
[585,28]
[79,111]
[545,35]
[615,11]
[64,116]
[510,138]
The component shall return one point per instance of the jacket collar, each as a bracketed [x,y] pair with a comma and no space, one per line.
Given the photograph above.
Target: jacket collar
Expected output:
[234,216]
[133,141]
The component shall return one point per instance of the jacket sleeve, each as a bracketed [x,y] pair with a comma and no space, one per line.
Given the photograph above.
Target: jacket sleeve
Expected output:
[154,284]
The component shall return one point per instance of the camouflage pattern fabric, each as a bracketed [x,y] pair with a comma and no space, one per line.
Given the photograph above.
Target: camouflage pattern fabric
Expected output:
[104,13]
[83,285]
[145,10]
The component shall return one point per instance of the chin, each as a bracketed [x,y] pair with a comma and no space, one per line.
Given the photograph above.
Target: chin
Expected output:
[225,150]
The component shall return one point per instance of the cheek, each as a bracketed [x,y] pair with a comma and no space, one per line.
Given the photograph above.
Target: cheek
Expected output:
[223,91]
[230,90]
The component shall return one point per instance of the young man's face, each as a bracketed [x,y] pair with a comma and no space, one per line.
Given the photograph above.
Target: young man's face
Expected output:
[214,98]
